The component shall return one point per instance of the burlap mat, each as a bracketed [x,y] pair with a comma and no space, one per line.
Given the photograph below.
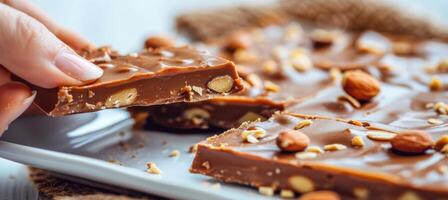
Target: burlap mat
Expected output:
[349,14]
[51,187]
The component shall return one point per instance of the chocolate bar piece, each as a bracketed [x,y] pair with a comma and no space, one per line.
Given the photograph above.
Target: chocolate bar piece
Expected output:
[155,76]
[350,159]
[219,112]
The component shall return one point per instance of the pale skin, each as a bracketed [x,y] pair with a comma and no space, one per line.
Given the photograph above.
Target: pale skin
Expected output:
[36,49]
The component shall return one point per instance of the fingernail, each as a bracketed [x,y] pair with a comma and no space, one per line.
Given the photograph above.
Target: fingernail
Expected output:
[77,67]
[23,106]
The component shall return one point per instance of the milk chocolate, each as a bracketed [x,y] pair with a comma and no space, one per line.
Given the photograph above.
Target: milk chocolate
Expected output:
[371,171]
[152,77]
[350,150]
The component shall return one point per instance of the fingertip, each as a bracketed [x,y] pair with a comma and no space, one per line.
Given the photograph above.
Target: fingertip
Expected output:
[5,76]
[15,98]
[77,67]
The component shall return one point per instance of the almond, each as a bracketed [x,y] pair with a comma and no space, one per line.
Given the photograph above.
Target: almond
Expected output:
[441,142]
[412,142]
[292,141]
[237,41]
[158,42]
[320,195]
[360,85]
[221,84]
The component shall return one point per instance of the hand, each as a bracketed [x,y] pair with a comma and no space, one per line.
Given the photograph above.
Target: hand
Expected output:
[35,48]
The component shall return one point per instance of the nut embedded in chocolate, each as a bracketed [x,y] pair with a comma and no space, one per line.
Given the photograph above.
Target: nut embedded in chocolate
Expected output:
[158,42]
[441,142]
[320,195]
[412,142]
[123,98]
[435,84]
[380,135]
[360,85]
[221,84]
[292,141]
[301,184]
[323,38]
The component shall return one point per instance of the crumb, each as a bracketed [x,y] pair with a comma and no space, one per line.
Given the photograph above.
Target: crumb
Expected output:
[175,153]
[152,168]
[193,148]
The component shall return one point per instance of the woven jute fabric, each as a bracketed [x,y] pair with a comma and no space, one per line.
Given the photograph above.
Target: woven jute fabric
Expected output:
[375,15]
[208,25]
[52,187]
[365,15]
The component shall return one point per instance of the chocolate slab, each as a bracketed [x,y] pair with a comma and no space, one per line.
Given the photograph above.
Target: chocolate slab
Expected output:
[369,172]
[412,74]
[155,76]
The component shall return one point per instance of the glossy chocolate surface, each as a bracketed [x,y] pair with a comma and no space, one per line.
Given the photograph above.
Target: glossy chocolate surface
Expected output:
[157,76]
[407,69]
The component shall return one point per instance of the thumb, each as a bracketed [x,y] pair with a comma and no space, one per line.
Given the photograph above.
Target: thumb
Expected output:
[29,50]
[15,98]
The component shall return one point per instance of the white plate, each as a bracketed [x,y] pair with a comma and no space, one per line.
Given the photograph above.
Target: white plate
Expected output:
[83,146]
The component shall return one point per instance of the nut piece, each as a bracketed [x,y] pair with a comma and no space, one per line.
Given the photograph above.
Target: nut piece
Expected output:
[306,155]
[361,193]
[320,195]
[303,124]
[206,165]
[269,67]
[335,147]
[269,86]
[158,42]
[292,141]
[287,194]
[152,168]
[357,141]
[442,67]
[175,153]
[435,84]
[198,113]
[380,135]
[193,148]
[266,191]
[251,117]
[412,141]
[221,84]
[360,85]
[409,196]
[434,121]
[301,184]
[123,98]
[442,169]
[439,107]
[314,149]
[253,135]
[322,37]
[300,61]
[441,142]
[238,41]
[352,101]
